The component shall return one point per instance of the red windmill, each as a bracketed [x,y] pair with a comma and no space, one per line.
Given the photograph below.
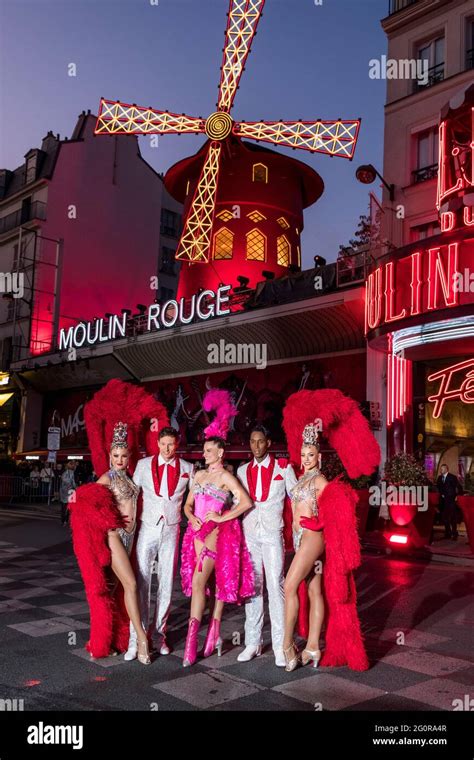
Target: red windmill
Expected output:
[335,138]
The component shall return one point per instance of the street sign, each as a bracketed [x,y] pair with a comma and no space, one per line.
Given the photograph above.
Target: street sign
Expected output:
[52,456]
[54,438]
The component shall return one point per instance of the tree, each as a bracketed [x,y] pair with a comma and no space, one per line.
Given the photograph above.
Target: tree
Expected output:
[362,238]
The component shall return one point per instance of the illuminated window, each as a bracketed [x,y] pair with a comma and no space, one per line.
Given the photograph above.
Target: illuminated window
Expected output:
[260,173]
[223,244]
[225,215]
[283,223]
[283,251]
[255,246]
[256,216]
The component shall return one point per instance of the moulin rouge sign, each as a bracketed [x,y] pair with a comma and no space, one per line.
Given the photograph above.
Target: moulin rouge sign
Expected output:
[201,306]
[428,279]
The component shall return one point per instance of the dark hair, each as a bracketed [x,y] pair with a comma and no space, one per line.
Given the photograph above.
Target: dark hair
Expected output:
[221,444]
[257,428]
[168,431]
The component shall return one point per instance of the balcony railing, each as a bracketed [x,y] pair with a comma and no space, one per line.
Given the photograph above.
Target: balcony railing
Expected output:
[425,173]
[398,5]
[37,210]
[470,59]
[435,75]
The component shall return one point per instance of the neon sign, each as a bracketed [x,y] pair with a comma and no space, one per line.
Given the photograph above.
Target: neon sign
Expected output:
[421,282]
[201,306]
[464,385]
[456,160]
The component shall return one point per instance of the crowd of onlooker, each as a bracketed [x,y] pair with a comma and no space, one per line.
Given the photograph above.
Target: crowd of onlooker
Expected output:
[42,480]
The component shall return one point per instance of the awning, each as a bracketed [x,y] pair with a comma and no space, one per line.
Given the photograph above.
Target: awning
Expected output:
[291,332]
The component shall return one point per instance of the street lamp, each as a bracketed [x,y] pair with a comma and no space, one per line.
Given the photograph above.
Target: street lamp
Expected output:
[366,173]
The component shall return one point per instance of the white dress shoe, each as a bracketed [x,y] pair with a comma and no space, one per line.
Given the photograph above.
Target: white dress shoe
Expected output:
[159,645]
[280,658]
[131,653]
[249,653]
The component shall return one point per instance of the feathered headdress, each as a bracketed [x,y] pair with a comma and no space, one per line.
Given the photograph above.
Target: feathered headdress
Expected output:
[341,422]
[131,406]
[219,401]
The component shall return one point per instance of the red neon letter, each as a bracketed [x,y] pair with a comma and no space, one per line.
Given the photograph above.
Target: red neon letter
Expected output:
[415,284]
[373,299]
[465,391]
[444,164]
[389,295]
[469,216]
[437,274]
[447,221]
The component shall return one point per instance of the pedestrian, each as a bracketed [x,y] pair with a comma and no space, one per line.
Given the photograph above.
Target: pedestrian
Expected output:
[68,485]
[46,476]
[448,488]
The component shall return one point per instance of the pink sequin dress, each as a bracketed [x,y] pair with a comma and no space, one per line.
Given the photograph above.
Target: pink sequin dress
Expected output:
[233,567]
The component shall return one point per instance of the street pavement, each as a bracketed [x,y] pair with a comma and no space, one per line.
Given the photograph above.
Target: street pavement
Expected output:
[417,618]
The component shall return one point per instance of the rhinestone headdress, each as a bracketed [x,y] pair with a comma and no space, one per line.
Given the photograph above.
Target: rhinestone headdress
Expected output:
[310,434]
[119,437]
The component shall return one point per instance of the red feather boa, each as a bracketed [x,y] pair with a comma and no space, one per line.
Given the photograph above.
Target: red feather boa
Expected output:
[93,514]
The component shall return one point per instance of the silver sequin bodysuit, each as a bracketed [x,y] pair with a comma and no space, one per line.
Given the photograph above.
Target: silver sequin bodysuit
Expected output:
[304,490]
[124,489]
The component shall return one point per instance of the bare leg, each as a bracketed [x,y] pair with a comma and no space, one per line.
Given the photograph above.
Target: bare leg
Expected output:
[200,578]
[123,570]
[316,612]
[311,547]
[218,609]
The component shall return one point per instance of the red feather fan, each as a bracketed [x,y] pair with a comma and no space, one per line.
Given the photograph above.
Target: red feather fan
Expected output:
[122,402]
[343,425]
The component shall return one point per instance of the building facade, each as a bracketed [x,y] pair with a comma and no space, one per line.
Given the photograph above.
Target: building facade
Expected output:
[419,295]
[76,219]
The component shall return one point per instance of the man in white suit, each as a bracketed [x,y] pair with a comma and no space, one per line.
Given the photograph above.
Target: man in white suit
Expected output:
[268,481]
[164,479]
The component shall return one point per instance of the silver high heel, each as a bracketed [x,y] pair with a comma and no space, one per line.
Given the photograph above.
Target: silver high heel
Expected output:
[293,663]
[314,657]
[143,654]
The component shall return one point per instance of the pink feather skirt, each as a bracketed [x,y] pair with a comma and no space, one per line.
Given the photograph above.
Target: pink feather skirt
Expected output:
[233,566]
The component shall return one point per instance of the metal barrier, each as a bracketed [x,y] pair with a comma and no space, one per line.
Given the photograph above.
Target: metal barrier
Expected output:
[25,490]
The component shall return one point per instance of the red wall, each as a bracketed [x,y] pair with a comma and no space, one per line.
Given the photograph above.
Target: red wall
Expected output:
[111,247]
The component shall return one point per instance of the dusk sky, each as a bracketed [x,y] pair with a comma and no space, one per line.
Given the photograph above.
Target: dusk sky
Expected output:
[308,61]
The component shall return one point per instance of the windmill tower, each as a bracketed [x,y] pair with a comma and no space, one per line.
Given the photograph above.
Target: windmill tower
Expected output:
[206,239]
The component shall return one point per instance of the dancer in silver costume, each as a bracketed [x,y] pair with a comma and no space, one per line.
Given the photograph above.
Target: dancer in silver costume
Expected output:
[309,546]
[120,540]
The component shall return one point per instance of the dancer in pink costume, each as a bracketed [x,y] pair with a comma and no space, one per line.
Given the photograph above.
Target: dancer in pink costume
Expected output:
[214,541]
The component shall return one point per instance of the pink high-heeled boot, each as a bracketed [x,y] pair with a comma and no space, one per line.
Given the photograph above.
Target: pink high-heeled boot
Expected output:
[190,648]
[213,639]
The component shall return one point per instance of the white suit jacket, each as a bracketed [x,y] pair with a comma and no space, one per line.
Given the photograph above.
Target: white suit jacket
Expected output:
[267,516]
[154,506]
